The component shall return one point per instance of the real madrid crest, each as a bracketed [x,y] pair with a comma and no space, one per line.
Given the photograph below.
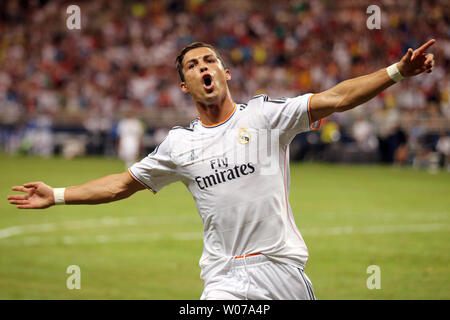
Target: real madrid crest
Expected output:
[243,136]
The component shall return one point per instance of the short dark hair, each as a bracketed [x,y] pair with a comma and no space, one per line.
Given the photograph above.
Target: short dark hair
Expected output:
[189,47]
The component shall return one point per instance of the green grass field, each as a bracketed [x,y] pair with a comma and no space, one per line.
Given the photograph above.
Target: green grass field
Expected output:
[148,246]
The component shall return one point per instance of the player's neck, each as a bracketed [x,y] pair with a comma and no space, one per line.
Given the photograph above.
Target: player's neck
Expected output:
[214,113]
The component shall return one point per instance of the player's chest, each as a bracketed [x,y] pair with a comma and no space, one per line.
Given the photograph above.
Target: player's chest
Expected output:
[230,154]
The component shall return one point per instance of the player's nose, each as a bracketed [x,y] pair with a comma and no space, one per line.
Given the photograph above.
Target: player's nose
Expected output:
[203,69]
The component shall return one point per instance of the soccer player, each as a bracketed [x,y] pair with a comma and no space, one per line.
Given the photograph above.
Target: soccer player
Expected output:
[252,247]
[130,133]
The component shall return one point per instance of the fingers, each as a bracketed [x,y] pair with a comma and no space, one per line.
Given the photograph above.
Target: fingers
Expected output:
[32,184]
[27,186]
[26,204]
[30,200]
[22,204]
[19,202]
[20,188]
[429,63]
[426,45]
[409,54]
[18,197]
[421,50]
[429,58]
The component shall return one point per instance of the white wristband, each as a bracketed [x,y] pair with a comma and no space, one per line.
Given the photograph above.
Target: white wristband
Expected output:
[58,193]
[394,73]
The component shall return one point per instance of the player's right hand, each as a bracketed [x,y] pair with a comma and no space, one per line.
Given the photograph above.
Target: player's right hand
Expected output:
[415,62]
[39,196]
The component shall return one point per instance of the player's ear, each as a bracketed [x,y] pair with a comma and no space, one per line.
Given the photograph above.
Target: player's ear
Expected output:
[227,74]
[184,87]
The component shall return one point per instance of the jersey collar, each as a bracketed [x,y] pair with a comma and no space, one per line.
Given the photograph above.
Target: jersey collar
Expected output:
[215,125]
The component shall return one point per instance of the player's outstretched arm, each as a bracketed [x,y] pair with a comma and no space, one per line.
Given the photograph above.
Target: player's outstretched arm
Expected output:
[353,92]
[110,188]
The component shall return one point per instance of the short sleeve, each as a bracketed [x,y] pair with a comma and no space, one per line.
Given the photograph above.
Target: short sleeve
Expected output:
[157,169]
[290,115]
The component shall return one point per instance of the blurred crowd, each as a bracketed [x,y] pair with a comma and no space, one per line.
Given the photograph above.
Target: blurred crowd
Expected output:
[56,80]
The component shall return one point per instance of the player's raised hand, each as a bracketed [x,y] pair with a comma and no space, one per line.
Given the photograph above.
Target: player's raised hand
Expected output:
[415,62]
[38,196]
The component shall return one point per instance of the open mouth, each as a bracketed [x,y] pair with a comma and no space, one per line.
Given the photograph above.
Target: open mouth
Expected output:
[208,83]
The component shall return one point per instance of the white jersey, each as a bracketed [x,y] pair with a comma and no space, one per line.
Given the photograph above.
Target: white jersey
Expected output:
[238,174]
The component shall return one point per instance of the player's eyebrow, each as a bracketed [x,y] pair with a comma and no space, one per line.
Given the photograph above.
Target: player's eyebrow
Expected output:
[195,59]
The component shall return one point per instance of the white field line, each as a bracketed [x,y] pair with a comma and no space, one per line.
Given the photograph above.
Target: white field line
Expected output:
[378,229]
[179,236]
[101,238]
[106,222]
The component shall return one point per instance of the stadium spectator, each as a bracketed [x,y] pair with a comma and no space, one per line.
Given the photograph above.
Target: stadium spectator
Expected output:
[364,134]
[130,132]
[443,147]
[124,52]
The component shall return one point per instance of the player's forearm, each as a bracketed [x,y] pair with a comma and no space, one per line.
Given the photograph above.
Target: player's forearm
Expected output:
[353,92]
[103,190]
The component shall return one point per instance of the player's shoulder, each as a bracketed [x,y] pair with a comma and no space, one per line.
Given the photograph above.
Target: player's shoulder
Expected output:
[178,132]
[183,129]
[174,138]
[261,99]
[257,106]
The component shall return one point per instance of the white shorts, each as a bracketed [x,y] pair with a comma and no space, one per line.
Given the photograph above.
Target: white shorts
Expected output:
[258,278]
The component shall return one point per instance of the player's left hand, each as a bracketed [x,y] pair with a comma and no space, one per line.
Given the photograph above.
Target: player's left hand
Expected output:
[415,62]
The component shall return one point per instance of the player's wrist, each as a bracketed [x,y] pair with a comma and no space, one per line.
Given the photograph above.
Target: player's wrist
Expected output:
[394,72]
[58,196]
